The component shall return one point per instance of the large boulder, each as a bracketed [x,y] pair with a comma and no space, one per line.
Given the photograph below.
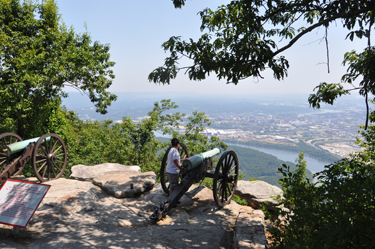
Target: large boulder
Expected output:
[125,184]
[71,196]
[87,173]
[257,192]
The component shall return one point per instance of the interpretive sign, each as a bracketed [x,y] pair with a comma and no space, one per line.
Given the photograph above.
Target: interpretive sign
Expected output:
[19,200]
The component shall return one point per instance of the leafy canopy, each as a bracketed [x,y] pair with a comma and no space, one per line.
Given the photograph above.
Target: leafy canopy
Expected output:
[132,142]
[336,212]
[242,40]
[39,56]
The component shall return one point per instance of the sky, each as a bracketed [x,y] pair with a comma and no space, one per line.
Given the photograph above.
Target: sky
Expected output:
[135,31]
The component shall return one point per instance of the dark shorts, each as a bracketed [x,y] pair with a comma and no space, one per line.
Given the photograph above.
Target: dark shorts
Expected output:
[173,180]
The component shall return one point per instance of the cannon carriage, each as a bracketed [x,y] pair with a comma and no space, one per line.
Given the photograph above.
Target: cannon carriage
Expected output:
[47,154]
[196,168]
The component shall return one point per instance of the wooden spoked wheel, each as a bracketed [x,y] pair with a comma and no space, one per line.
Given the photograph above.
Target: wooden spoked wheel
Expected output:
[7,139]
[49,157]
[226,177]
[184,153]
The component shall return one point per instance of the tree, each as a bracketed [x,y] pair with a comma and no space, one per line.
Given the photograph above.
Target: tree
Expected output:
[39,56]
[336,212]
[132,142]
[91,143]
[241,42]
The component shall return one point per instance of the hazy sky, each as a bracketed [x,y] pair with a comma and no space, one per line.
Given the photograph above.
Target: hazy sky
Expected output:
[135,31]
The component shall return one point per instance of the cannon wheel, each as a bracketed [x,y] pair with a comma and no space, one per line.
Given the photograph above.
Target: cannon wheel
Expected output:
[49,157]
[184,153]
[6,139]
[225,179]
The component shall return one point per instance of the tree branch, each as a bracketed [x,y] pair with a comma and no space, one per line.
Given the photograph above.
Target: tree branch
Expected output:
[367,110]
[366,74]
[323,22]
[295,39]
[356,88]
[292,8]
[77,88]
[326,39]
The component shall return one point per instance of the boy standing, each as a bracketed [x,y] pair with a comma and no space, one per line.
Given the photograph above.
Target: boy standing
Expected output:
[174,165]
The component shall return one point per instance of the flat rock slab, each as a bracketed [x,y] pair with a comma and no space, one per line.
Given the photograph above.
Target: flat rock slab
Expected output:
[257,192]
[87,173]
[125,184]
[71,196]
[78,214]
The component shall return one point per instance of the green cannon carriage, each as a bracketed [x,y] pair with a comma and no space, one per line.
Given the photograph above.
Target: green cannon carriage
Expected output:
[47,153]
[196,168]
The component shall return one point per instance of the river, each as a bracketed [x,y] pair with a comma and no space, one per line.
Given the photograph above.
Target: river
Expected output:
[313,164]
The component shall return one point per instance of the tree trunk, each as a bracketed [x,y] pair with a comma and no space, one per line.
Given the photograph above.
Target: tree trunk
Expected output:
[20,128]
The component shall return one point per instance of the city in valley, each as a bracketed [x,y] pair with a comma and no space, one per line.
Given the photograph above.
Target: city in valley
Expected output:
[279,120]
[332,132]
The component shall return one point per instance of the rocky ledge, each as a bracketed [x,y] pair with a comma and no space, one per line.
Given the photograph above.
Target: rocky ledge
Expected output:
[79,214]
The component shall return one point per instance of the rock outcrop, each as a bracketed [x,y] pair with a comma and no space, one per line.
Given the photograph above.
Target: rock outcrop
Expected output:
[116,179]
[87,173]
[125,184]
[78,214]
[249,229]
[257,192]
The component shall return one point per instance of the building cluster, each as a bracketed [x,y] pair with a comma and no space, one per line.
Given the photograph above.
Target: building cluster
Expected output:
[332,131]
[295,126]
[239,134]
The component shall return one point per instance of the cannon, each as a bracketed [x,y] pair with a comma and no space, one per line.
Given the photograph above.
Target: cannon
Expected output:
[196,168]
[47,153]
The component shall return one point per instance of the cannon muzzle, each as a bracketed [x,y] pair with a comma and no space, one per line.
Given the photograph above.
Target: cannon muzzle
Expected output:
[196,160]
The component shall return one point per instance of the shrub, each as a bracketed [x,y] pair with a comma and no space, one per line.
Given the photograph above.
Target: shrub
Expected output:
[336,212]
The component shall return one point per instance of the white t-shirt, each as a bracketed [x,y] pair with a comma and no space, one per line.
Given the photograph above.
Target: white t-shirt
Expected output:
[173,155]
